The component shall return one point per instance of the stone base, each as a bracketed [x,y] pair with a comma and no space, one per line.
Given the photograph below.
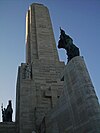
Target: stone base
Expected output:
[77,110]
[7,127]
[37,94]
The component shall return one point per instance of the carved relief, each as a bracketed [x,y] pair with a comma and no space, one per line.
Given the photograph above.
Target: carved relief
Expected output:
[27,72]
[42,26]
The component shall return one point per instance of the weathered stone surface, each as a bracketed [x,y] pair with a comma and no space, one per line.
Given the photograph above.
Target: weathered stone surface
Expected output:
[78,110]
[7,127]
[43,103]
[38,88]
[40,42]
[38,95]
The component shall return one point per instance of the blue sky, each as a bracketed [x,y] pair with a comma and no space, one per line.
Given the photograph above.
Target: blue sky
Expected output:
[79,18]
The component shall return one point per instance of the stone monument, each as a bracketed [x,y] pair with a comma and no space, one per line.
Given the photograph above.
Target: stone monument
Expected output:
[7,112]
[78,109]
[51,97]
[38,83]
[7,125]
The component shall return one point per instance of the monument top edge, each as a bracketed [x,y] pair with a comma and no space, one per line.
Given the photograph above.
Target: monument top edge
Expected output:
[36,4]
[76,58]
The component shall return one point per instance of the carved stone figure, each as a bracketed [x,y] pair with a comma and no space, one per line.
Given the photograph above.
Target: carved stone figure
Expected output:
[7,113]
[3,114]
[66,42]
[27,72]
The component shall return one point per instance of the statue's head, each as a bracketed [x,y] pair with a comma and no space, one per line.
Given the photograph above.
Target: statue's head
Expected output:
[9,102]
[62,32]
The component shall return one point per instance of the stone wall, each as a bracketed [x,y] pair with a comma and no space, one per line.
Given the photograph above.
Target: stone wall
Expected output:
[78,109]
[37,92]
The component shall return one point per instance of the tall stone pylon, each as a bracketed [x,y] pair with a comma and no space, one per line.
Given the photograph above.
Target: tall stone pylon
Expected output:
[40,42]
[38,83]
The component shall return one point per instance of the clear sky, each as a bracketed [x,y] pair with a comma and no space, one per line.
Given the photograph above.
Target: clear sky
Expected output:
[79,18]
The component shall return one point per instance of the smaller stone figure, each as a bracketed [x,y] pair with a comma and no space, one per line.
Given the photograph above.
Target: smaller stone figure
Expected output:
[66,42]
[7,113]
[3,114]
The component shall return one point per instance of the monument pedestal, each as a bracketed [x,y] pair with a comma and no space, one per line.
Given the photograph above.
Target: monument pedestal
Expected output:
[77,110]
[82,98]
[7,127]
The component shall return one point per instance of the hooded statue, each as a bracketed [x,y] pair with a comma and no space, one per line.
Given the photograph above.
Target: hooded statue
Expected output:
[66,43]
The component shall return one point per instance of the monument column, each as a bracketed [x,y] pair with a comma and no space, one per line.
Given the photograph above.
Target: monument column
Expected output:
[38,83]
[40,42]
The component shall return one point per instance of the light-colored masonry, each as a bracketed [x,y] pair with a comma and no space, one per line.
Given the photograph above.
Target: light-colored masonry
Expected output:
[51,97]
